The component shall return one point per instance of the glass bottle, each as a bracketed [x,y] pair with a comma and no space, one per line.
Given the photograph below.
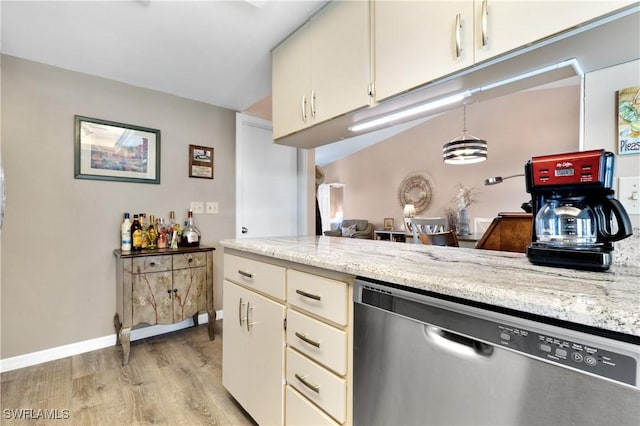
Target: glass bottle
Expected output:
[174,230]
[125,234]
[136,234]
[162,233]
[152,233]
[190,233]
[142,217]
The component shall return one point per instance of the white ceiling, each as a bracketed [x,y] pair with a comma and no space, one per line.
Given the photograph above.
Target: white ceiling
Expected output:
[213,51]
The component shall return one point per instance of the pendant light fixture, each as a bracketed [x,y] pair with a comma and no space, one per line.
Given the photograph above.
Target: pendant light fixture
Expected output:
[466,148]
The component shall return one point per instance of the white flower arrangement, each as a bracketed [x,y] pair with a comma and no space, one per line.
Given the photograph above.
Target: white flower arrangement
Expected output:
[466,196]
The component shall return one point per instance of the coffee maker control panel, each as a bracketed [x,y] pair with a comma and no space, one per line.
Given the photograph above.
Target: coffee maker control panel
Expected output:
[587,167]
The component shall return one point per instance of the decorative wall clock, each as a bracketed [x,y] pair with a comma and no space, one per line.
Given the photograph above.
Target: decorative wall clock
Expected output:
[416,189]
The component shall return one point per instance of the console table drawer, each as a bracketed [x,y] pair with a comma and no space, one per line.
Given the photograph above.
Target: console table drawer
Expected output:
[142,265]
[321,296]
[189,260]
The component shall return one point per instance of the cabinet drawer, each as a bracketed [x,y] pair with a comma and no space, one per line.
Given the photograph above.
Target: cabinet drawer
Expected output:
[322,387]
[189,260]
[318,340]
[151,264]
[321,296]
[259,276]
[302,412]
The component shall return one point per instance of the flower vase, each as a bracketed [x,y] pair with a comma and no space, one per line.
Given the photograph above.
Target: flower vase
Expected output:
[463,222]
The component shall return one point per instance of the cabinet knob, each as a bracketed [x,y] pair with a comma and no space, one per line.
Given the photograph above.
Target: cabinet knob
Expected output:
[190,260]
[169,291]
[152,264]
[175,290]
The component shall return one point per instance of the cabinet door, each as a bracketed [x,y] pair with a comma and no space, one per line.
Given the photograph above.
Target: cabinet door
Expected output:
[235,348]
[291,82]
[266,359]
[510,24]
[415,42]
[151,298]
[189,292]
[340,60]
[253,353]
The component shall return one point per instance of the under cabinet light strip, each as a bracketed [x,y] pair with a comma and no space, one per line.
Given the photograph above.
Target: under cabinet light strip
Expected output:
[418,109]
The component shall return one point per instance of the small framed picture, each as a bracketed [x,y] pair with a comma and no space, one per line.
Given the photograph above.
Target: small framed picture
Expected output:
[628,109]
[200,162]
[106,150]
[388,223]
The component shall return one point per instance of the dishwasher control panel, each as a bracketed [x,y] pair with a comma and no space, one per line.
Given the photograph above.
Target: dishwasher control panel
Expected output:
[582,356]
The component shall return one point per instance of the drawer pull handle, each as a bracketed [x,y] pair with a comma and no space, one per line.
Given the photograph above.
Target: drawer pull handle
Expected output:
[190,260]
[245,274]
[309,295]
[303,380]
[307,340]
[152,264]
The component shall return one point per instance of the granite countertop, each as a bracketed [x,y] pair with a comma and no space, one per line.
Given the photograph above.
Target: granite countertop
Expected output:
[607,300]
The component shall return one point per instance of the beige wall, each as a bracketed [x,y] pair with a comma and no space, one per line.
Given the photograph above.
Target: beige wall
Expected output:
[58,274]
[516,127]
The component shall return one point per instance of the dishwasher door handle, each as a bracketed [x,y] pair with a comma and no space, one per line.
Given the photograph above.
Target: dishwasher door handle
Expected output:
[456,342]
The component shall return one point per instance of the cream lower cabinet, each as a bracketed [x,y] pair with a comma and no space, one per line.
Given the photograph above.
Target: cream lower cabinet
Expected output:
[318,350]
[253,350]
[295,374]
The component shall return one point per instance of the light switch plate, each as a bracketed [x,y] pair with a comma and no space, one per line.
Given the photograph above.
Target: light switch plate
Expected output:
[197,207]
[212,207]
[629,193]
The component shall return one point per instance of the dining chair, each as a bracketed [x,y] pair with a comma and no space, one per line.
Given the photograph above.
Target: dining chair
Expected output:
[427,225]
[447,238]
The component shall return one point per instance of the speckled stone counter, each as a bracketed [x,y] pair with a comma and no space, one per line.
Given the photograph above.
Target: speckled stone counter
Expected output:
[608,300]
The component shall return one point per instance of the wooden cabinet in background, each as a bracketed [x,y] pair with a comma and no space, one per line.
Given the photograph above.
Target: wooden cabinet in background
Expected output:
[508,232]
[162,286]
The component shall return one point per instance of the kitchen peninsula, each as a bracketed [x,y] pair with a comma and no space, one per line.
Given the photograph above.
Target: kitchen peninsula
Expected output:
[307,284]
[607,300]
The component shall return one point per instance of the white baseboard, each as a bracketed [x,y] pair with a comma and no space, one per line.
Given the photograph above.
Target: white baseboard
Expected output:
[64,351]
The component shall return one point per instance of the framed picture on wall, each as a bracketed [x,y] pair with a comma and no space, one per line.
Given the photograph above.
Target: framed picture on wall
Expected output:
[106,150]
[628,108]
[200,162]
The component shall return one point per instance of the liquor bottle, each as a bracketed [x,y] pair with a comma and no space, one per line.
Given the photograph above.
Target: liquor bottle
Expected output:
[190,233]
[142,217]
[162,233]
[174,230]
[125,233]
[136,234]
[152,233]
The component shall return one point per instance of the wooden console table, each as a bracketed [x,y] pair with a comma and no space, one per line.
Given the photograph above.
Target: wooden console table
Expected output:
[163,286]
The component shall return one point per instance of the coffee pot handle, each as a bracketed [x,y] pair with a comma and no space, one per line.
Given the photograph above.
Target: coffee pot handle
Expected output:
[611,205]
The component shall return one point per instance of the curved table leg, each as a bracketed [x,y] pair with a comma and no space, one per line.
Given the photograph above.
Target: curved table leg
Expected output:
[125,335]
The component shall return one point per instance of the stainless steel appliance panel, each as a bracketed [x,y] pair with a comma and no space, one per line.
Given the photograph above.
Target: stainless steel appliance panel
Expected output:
[435,370]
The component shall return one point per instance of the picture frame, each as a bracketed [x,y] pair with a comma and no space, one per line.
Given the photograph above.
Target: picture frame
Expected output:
[628,120]
[112,151]
[388,223]
[201,162]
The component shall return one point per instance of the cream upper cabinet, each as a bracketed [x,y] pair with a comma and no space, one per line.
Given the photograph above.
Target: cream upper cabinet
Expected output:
[322,70]
[504,25]
[419,41]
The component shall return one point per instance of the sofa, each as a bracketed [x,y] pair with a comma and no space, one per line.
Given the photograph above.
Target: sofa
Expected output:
[353,228]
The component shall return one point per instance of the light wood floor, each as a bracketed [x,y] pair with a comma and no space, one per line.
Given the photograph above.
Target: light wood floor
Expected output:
[172,379]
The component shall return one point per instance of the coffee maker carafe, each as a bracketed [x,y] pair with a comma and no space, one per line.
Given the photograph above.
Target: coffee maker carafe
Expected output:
[576,219]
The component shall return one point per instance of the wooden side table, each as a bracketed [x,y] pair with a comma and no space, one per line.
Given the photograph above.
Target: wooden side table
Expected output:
[163,286]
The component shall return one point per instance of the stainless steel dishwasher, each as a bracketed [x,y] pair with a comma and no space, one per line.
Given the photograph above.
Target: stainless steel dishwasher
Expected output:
[422,360]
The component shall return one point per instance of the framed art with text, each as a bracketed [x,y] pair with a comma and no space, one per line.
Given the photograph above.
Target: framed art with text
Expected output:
[200,162]
[106,150]
[628,109]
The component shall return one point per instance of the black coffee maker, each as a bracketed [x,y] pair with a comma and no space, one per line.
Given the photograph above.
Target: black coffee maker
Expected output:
[575,217]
